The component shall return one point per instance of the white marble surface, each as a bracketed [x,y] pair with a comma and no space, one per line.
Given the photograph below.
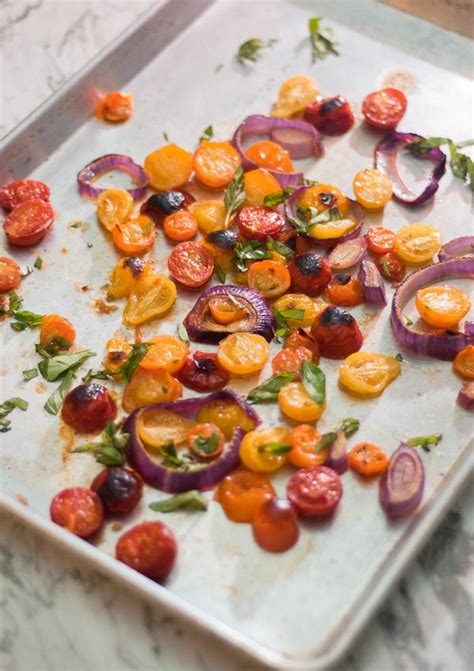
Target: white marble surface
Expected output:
[57,615]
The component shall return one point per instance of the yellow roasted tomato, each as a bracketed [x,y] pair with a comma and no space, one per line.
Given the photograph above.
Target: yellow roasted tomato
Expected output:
[151,298]
[227,415]
[150,386]
[264,450]
[294,96]
[114,207]
[296,403]
[367,375]
[125,276]
[417,243]
[300,302]
[243,353]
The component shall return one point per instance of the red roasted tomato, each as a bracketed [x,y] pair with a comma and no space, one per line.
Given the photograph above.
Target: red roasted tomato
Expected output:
[191,264]
[331,116]
[79,510]
[120,489]
[202,372]
[16,192]
[10,274]
[259,223]
[88,407]
[385,108]
[275,527]
[314,491]
[29,222]
[337,333]
[310,274]
[149,548]
[391,266]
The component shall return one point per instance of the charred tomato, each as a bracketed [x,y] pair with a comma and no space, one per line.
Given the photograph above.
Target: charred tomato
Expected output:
[337,333]
[331,116]
[164,203]
[310,274]
[202,372]
[150,548]
[88,407]
[119,489]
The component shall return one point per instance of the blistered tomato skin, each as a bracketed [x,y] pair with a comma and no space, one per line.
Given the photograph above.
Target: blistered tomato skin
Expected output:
[88,407]
[160,205]
[337,333]
[79,510]
[275,526]
[259,223]
[119,489]
[150,548]
[16,192]
[315,491]
[310,274]
[202,372]
[331,116]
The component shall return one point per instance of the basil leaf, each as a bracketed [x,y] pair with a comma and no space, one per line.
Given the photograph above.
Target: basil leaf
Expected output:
[112,447]
[182,333]
[234,195]
[220,274]
[133,360]
[321,40]
[55,366]
[55,401]
[326,440]
[284,250]
[207,134]
[267,392]
[165,136]
[15,402]
[14,302]
[314,381]
[307,182]
[253,250]
[399,357]
[277,198]
[38,264]
[30,374]
[425,442]
[191,500]
[25,319]
[281,317]
[349,426]
[274,448]
[248,51]
[461,165]
[206,445]
[93,374]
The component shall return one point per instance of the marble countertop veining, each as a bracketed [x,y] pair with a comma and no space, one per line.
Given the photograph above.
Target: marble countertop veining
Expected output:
[58,615]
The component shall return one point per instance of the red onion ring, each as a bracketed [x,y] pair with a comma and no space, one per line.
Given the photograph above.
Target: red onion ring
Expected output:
[444,346]
[386,154]
[465,397]
[457,247]
[347,254]
[373,287]
[204,477]
[401,486]
[107,163]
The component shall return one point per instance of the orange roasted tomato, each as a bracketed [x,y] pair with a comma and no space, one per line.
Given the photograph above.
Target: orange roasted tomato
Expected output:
[242,493]
[367,375]
[269,278]
[225,311]
[117,351]
[296,403]
[215,163]
[243,353]
[372,189]
[159,427]
[270,155]
[165,352]
[151,298]
[115,107]
[135,236]
[258,184]
[368,459]
[304,440]
[290,359]
[210,215]
[227,415]
[125,276]
[180,226]
[56,333]
[263,450]
[150,386]
[10,274]
[464,362]
[442,306]
[206,441]
[275,526]
[344,290]
[300,338]
[324,197]
[168,167]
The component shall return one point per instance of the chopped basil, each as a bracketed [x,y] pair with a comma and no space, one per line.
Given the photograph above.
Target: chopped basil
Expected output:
[307,182]
[425,442]
[165,136]
[399,357]
[93,374]
[112,447]
[30,374]
[248,51]
[314,381]
[25,319]
[182,333]
[133,360]
[207,134]
[409,321]
[253,250]
[55,366]
[77,224]
[321,40]
[234,195]
[304,226]
[171,458]
[5,409]
[284,250]
[267,392]
[274,199]
[38,264]
[274,448]
[348,426]
[56,399]
[14,302]
[220,274]
[281,317]
[326,440]
[89,245]
[206,444]
[191,500]
[462,165]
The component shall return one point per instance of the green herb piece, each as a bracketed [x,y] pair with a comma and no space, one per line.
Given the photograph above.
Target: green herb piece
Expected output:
[274,448]
[249,51]
[425,442]
[165,136]
[171,458]
[14,302]
[191,500]
[38,264]
[399,357]
[307,182]
[326,440]
[26,272]
[25,319]
[77,224]
[207,134]
[133,360]
[93,374]
[234,195]
[220,274]
[462,165]
[218,67]
[182,333]
[206,444]
[267,392]
[314,381]
[112,447]
[348,426]
[321,40]
[409,321]
[284,250]
[30,374]
[89,245]
[5,409]
[55,366]
[253,250]
[55,401]
[274,199]
[303,225]
[281,317]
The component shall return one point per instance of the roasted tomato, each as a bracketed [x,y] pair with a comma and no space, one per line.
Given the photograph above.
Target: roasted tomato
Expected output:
[88,407]
[289,359]
[206,441]
[296,403]
[297,302]
[464,362]
[337,333]
[367,375]
[242,493]
[243,353]
[210,215]
[263,450]
[331,116]
[114,207]
[417,243]
[442,306]
[10,274]
[191,264]
[294,95]
[115,107]
[150,386]
[168,168]
[314,491]
[125,276]
[380,240]
[385,108]
[368,459]
[324,197]
[258,184]
[149,548]
[165,352]
[120,489]
[16,192]
[79,510]
[117,351]
[296,242]
[221,243]
[151,297]
[391,267]
[29,222]
[275,526]
[160,205]
[344,290]
[310,274]
[134,236]
[227,415]
[269,278]
[202,372]
[56,333]
[300,338]
[270,155]
[259,223]
[304,440]
[215,163]
[372,189]
[180,226]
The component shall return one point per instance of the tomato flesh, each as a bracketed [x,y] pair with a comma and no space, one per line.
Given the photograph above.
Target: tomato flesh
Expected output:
[314,491]
[380,240]
[88,407]
[337,333]
[119,489]
[290,359]
[259,223]
[310,274]
[16,192]
[79,510]
[202,372]
[29,222]
[391,267]
[191,264]
[385,108]
[275,526]
[331,116]
[10,274]
[368,459]
[150,548]
[242,493]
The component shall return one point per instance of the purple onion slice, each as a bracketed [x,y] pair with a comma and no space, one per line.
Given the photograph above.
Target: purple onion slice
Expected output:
[401,485]
[337,458]
[107,163]
[457,247]
[373,287]
[465,397]
[347,254]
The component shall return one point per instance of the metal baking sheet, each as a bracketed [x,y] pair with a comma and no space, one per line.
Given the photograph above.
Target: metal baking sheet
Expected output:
[304,608]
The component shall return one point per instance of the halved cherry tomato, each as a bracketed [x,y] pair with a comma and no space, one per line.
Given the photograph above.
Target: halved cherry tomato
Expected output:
[242,493]
[215,163]
[150,548]
[259,223]
[303,440]
[344,290]
[367,375]
[295,94]
[160,205]
[269,278]
[243,353]
[261,450]
[150,386]
[152,297]
[300,338]
[117,351]
[391,267]
[88,407]
[289,359]
[314,491]
[296,403]
[168,167]
[16,192]
[56,333]
[385,108]
[115,107]
[206,441]
[180,226]
[165,352]
[331,116]
[210,215]
[29,222]
[135,236]
[442,306]
[114,207]
[227,415]
[159,427]
[380,240]
[270,155]
[275,527]
[297,302]
[324,197]
[310,274]
[372,189]
[368,459]
[10,274]
[331,230]
[337,333]
[191,264]
[258,184]
[79,510]
[464,362]
[125,276]
[417,243]
[225,311]
[202,372]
